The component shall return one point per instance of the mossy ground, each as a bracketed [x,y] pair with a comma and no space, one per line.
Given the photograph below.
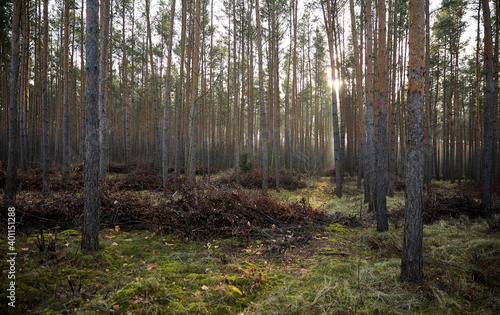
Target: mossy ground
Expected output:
[342,270]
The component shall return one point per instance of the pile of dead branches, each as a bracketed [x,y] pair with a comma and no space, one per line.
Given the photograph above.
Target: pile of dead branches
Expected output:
[253,180]
[195,211]
[438,207]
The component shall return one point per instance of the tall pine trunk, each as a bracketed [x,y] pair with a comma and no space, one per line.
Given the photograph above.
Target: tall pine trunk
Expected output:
[45,101]
[411,258]
[329,24]
[488,113]
[166,107]
[103,76]
[265,153]
[477,128]
[11,178]
[194,93]
[370,157]
[65,132]
[359,91]
[91,212]
[177,166]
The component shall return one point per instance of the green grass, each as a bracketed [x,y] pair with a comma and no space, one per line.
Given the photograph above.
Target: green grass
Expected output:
[351,270]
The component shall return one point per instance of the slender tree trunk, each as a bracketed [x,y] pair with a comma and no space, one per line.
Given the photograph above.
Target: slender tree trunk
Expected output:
[435,157]
[381,147]
[11,179]
[359,91]
[82,82]
[166,108]
[392,35]
[265,165]
[293,127]
[65,133]
[125,91]
[154,91]
[370,130]
[103,77]
[236,93]
[496,134]
[91,213]
[411,258]
[327,15]
[24,83]
[194,86]
[427,132]
[211,116]
[250,87]
[276,115]
[488,113]
[177,166]
[477,128]
[45,101]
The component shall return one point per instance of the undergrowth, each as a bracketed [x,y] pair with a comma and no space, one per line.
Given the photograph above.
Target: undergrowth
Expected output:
[330,268]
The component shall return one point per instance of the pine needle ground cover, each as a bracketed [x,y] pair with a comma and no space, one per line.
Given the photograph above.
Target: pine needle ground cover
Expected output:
[295,259]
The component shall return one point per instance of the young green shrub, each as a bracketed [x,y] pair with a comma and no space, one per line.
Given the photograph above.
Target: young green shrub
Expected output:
[245,163]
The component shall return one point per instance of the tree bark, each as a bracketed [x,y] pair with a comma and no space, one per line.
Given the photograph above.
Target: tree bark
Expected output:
[103,77]
[11,178]
[327,16]
[276,101]
[488,113]
[194,87]
[177,165]
[82,80]
[428,133]
[477,128]
[265,165]
[381,146]
[411,258]
[370,129]
[250,87]
[125,92]
[359,90]
[496,133]
[65,133]
[91,212]
[166,107]
[45,101]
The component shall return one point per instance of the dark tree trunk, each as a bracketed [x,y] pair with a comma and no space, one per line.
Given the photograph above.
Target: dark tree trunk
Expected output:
[496,135]
[166,108]
[194,91]
[250,87]
[45,101]
[488,113]
[90,233]
[103,76]
[370,130]
[329,24]
[265,153]
[177,166]
[411,258]
[477,128]
[11,179]
[359,92]
[381,146]
[428,133]
[65,132]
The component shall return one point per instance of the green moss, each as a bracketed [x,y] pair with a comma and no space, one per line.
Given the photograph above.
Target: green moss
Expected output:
[142,287]
[337,228]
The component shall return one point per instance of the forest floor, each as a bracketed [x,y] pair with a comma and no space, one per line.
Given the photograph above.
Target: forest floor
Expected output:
[325,264]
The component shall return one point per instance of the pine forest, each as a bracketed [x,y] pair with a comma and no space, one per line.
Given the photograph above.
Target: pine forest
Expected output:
[249,157]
